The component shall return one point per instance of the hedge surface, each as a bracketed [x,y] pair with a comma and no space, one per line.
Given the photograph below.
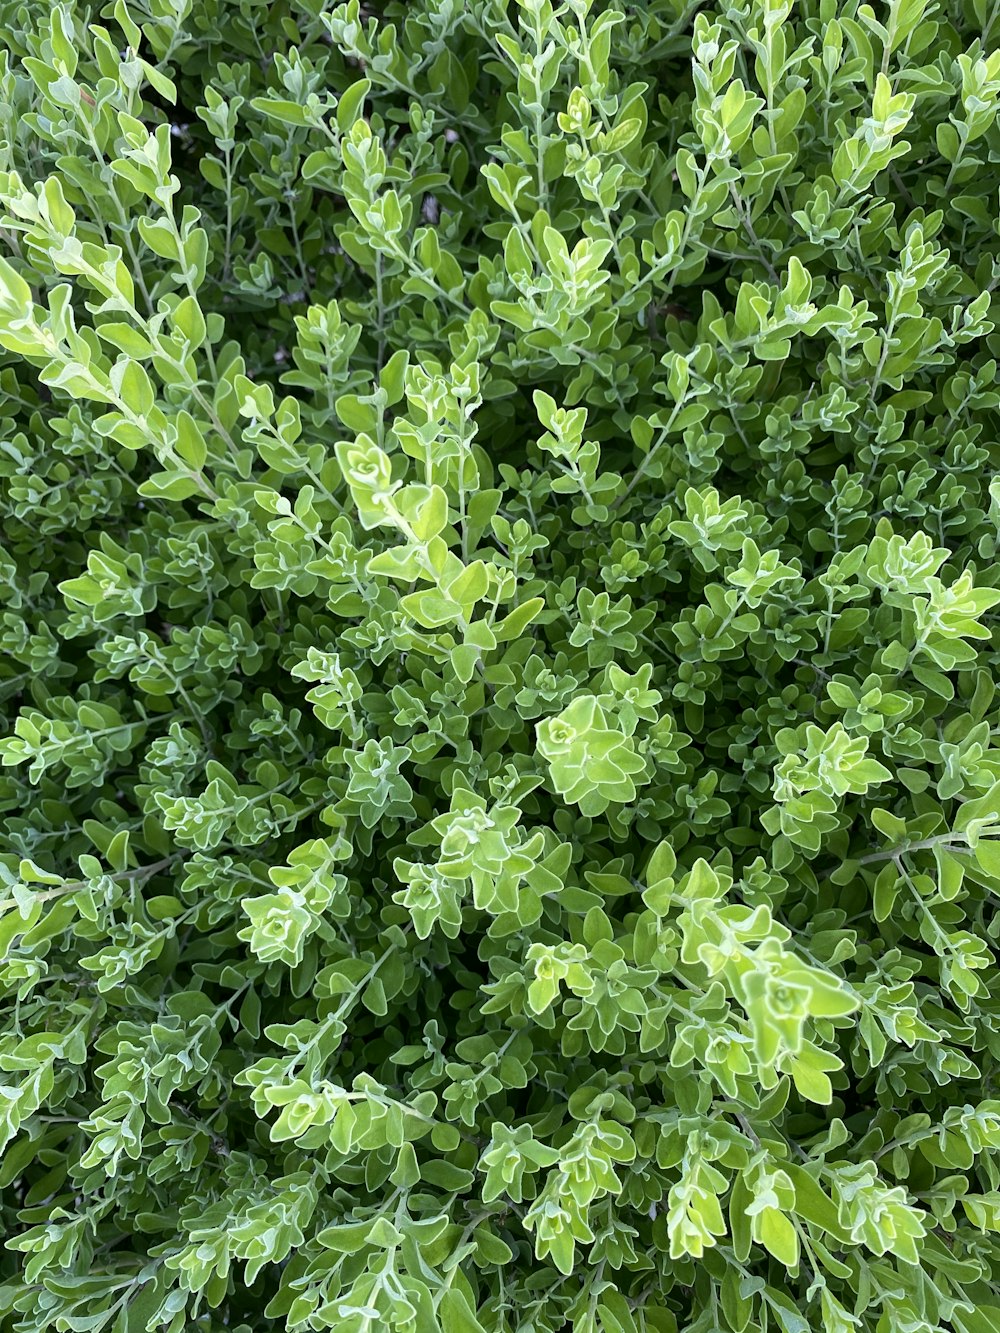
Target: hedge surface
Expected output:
[500,607]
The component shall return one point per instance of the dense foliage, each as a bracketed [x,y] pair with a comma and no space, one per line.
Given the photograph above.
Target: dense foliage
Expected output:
[500,623]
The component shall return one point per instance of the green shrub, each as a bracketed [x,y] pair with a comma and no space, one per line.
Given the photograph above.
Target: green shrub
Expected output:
[500,622]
